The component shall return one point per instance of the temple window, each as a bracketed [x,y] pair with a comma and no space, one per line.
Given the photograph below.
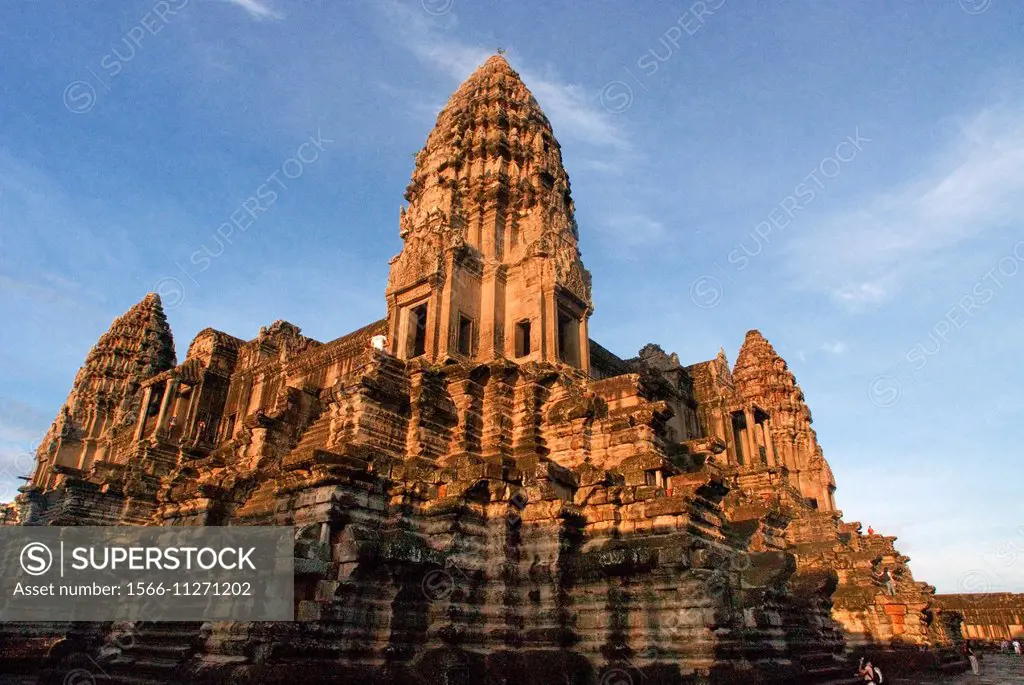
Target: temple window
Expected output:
[654,477]
[762,435]
[523,338]
[813,502]
[416,336]
[464,344]
[568,338]
[156,397]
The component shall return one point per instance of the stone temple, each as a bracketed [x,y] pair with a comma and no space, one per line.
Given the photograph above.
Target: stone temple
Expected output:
[480,492]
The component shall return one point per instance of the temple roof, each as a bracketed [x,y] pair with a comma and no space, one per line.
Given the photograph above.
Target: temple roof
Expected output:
[764,377]
[759,369]
[141,336]
[491,156]
[137,345]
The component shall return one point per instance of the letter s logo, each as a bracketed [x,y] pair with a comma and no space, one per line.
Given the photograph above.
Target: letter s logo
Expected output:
[36,558]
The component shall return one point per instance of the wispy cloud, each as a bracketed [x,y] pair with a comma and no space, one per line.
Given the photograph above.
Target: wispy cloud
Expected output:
[631,231]
[576,112]
[599,139]
[837,347]
[573,109]
[862,257]
[865,293]
[259,11]
[39,203]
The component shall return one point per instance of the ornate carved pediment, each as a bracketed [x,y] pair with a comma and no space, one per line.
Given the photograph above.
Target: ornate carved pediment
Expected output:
[569,270]
[576,279]
[543,246]
[427,240]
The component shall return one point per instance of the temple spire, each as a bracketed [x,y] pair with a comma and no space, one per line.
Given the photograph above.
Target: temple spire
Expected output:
[491,169]
[137,345]
[764,378]
[490,239]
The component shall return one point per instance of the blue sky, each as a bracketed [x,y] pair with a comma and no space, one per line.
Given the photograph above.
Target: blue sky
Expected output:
[846,177]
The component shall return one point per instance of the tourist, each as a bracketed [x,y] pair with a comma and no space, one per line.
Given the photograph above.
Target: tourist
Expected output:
[1016,646]
[887,582]
[871,531]
[972,657]
[869,673]
[1004,646]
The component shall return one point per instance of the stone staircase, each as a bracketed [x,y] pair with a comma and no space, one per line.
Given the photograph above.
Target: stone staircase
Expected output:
[155,653]
[313,438]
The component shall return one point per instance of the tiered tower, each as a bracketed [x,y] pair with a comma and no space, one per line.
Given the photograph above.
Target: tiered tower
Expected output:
[764,378]
[490,267]
[138,345]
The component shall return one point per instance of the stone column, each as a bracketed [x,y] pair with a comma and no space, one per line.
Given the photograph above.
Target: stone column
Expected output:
[188,425]
[140,424]
[445,316]
[755,454]
[170,390]
[719,432]
[584,343]
[766,431]
[549,326]
[790,454]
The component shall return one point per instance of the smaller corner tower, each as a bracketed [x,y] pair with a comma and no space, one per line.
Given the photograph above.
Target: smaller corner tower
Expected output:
[105,392]
[763,377]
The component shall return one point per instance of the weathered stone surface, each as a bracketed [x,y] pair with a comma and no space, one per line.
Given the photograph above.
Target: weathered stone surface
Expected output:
[104,397]
[988,617]
[486,495]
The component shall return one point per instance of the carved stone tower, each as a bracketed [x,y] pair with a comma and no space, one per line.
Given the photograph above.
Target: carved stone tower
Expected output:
[490,267]
[762,376]
[105,393]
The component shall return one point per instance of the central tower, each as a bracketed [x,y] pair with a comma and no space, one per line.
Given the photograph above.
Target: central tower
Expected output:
[490,266]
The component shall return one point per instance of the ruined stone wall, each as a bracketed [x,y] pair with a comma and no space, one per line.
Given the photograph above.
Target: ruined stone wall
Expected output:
[989,617]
